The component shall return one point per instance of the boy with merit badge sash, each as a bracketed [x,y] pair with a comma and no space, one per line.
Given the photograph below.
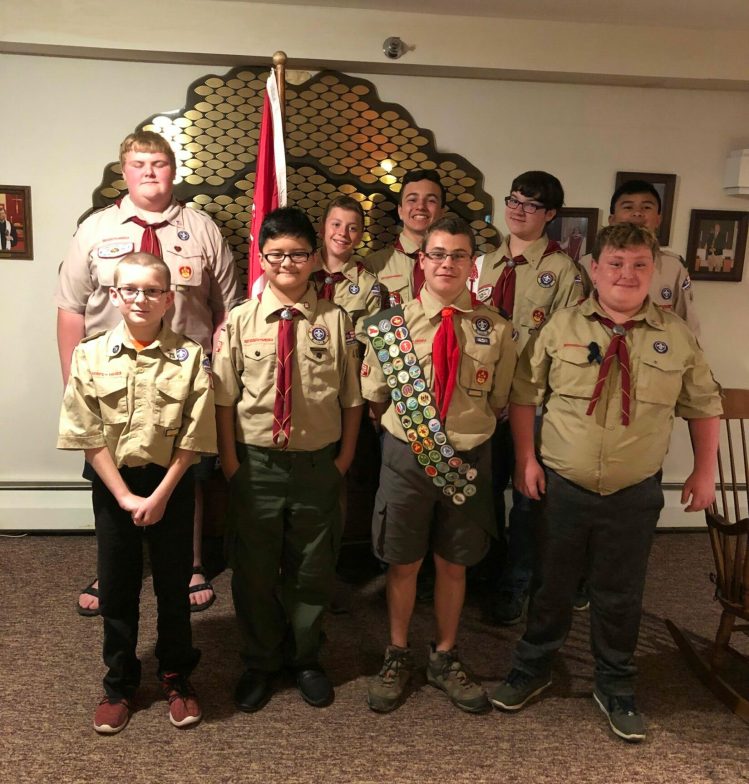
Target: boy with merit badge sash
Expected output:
[422,201]
[286,371]
[440,369]
[611,373]
[139,402]
[527,278]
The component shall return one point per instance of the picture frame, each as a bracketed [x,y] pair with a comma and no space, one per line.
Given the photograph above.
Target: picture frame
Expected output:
[665,184]
[15,222]
[575,228]
[717,244]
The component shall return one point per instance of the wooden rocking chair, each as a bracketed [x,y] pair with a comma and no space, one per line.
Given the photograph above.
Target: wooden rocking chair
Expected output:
[729,537]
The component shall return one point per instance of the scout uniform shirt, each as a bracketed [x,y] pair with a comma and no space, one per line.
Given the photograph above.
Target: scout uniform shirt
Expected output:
[359,293]
[669,376]
[487,362]
[202,268]
[324,378]
[394,269]
[549,281]
[670,288]
[141,405]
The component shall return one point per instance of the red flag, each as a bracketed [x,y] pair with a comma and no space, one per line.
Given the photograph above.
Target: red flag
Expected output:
[270,180]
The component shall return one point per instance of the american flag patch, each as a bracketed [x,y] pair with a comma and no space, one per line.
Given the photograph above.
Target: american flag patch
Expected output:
[350,337]
[364,369]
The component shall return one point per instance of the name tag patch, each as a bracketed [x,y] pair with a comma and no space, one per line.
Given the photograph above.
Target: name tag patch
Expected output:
[113,250]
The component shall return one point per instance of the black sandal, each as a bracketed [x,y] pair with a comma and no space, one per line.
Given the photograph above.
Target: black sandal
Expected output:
[89,612]
[204,586]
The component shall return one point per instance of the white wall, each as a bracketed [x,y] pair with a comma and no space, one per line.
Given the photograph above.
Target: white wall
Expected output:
[66,117]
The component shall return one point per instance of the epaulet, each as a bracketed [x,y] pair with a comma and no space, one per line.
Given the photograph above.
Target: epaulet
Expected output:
[90,213]
[552,247]
[96,335]
[237,304]
[680,259]
[488,306]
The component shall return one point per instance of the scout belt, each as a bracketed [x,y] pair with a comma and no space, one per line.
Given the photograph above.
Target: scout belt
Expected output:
[416,408]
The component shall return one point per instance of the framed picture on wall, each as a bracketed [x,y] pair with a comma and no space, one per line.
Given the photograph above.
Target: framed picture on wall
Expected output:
[717,244]
[665,184]
[574,228]
[15,222]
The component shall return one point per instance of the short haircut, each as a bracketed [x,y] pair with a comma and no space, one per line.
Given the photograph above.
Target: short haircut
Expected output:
[624,235]
[417,175]
[344,202]
[541,186]
[146,141]
[631,187]
[287,222]
[147,261]
[451,224]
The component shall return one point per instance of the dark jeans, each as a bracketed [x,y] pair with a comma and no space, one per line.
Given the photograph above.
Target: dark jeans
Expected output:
[610,536]
[120,553]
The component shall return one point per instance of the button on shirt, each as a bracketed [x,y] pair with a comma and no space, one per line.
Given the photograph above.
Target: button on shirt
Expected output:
[549,281]
[141,405]
[487,362]
[202,268]
[669,377]
[394,269]
[325,370]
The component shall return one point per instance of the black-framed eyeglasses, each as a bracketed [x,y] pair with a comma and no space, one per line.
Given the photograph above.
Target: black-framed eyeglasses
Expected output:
[275,257]
[528,207]
[130,294]
[440,255]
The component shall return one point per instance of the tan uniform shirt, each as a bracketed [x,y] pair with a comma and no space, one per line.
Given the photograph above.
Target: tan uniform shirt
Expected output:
[669,377]
[141,405]
[324,379]
[203,272]
[394,269]
[359,294]
[549,281]
[670,289]
[487,362]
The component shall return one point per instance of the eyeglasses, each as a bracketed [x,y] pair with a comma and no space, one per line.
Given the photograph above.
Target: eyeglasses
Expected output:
[440,255]
[528,207]
[130,294]
[275,257]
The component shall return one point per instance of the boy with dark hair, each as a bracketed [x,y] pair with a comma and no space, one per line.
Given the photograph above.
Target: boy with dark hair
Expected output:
[285,465]
[140,403]
[638,202]
[528,278]
[611,373]
[422,201]
[439,370]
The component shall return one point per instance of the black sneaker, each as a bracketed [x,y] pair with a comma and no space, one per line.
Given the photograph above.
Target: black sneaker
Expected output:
[625,720]
[510,607]
[517,689]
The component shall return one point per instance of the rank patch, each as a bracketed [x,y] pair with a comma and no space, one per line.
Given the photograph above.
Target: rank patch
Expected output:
[354,289]
[660,346]
[481,326]
[666,293]
[319,335]
[546,280]
[183,235]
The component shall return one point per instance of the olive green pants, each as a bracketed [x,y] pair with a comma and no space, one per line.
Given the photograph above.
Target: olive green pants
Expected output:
[283,535]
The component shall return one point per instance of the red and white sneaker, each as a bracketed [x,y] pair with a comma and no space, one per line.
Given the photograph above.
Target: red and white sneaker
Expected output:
[112,715]
[184,709]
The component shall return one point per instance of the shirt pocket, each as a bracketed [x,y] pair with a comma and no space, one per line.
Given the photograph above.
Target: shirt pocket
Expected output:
[185,266]
[572,374]
[476,371]
[537,308]
[105,257]
[171,394]
[259,371]
[319,369]
[111,392]
[659,380]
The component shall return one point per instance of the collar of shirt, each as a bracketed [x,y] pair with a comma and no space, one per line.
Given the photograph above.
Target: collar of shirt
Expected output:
[408,245]
[166,340]
[532,254]
[307,305]
[649,313]
[350,269]
[433,307]
[172,213]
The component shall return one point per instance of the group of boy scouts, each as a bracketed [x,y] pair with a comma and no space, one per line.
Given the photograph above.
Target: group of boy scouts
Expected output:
[518,362]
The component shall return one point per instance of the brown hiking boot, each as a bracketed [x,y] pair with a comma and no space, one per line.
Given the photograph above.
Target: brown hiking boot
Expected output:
[446,672]
[386,689]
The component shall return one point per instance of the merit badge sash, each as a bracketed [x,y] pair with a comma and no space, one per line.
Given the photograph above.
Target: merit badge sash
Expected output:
[416,408]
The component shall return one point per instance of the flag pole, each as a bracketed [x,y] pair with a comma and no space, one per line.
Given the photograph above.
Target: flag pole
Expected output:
[279,67]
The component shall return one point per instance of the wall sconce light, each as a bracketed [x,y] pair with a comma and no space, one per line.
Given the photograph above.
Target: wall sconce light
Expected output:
[393,47]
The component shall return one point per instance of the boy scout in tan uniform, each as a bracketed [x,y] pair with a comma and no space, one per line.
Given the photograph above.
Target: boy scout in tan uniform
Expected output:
[611,374]
[422,201]
[140,403]
[287,391]
[638,202]
[435,484]
[202,269]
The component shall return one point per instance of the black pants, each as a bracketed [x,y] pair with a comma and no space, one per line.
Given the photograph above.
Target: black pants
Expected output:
[120,553]
[611,535]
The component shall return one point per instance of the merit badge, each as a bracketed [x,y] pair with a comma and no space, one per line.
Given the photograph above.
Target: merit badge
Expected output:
[365,370]
[660,346]
[406,422]
[687,283]
[419,384]
[384,325]
[389,338]
[447,451]
[354,289]
[387,368]
[666,293]
[440,439]
[484,293]
[406,346]
[373,330]
[451,477]
[439,481]
[383,355]
[392,382]
[430,412]
[393,351]
[428,443]
[181,354]
[400,408]
[378,343]
[401,333]
[423,459]
[397,321]
[185,272]
[471,474]
[424,399]
[460,483]
[454,462]
[435,456]
[449,490]
[410,359]
[459,499]
[434,425]
[403,377]
[463,468]
[431,471]
[469,490]
[407,390]
[395,395]
[183,235]
[442,468]
[414,371]
[423,431]
[319,334]
[412,403]
[417,417]
[538,316]
[397,363]
[481,325]
[411,435]
[417,448]
[482,375]
[546,280]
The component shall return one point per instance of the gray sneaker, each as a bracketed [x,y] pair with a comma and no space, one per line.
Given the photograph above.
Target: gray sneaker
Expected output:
[625,720]
[445,672]
[517,689]
[385,690]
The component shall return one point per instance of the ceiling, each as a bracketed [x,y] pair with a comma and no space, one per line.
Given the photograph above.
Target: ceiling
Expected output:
[695,14]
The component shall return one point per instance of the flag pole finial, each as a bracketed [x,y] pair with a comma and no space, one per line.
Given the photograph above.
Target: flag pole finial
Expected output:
[279,58]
